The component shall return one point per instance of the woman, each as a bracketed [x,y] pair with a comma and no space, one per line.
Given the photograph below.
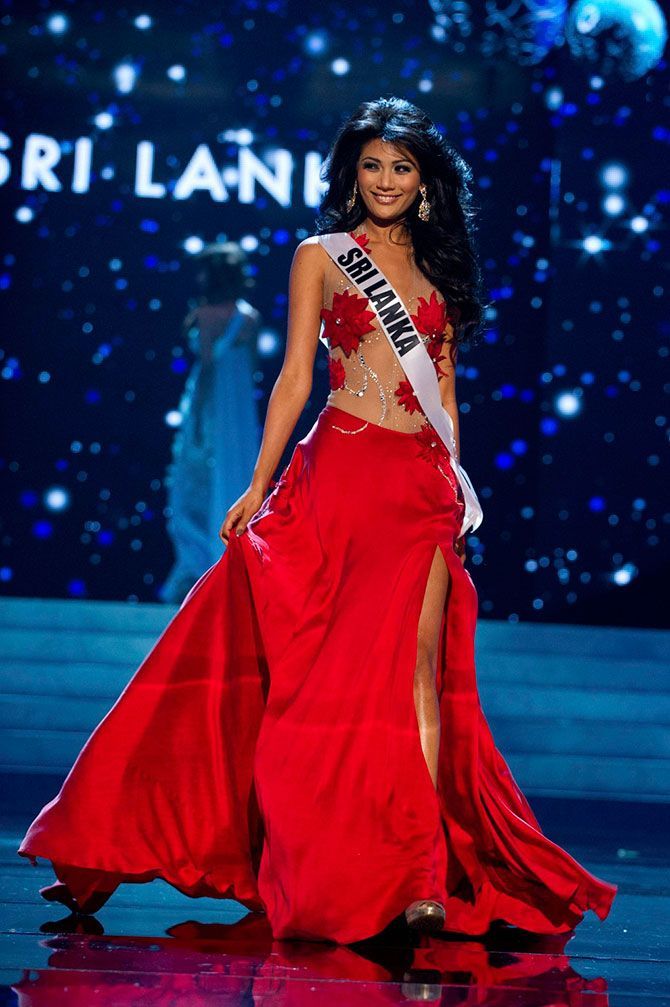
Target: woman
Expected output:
[216,446]
[306,736]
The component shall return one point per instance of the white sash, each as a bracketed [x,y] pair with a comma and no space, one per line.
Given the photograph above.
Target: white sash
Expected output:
[409,349]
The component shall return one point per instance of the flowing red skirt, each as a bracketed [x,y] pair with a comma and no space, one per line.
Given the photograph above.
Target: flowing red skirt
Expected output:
[267,749]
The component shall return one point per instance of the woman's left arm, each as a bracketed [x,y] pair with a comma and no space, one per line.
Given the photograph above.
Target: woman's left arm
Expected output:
[447,386]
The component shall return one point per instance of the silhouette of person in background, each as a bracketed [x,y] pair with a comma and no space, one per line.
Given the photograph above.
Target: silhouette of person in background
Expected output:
[215,448]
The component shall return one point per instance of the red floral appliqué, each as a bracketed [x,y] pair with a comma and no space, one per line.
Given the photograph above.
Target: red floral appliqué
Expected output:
[431,316]
[347,321]
[434,347]
[362,240]
[431,447]
[336,373]
[431,320]
[407,398]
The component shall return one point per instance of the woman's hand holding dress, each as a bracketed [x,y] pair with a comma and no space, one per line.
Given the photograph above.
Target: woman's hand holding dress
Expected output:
[240,513]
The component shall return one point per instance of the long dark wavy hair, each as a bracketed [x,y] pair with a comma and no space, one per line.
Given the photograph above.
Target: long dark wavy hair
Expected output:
[443,246]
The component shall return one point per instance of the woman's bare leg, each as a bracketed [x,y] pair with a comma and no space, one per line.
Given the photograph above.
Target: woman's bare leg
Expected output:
[425,688]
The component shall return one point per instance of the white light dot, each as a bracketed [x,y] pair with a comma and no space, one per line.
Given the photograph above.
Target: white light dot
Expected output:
[249,242]
[624,574]
[58,23]
[639,224]
[614,175]
[24,214]
[340,66]
[56,498]
[177,72]
[104,120]
[173,418]
[125,75]
[567,404]
[193,245]
[614,204]
[143,22]
[267,342]
[593,244]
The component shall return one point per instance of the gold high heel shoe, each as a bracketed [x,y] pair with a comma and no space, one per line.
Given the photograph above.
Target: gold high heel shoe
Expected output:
[425,915]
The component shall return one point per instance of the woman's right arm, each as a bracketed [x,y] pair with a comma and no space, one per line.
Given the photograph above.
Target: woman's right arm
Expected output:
[294,382]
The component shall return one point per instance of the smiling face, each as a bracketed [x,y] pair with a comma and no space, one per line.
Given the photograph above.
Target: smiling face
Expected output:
[388,180]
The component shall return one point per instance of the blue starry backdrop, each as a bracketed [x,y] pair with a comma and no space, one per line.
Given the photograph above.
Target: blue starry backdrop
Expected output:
[133,135]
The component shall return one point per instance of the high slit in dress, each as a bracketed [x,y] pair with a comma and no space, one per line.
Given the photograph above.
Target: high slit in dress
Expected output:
[268,750]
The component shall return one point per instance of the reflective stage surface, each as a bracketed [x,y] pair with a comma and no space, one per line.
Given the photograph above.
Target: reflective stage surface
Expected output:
[150,945]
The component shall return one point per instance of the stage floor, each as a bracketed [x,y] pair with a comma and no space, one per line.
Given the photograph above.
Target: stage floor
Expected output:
[150,945]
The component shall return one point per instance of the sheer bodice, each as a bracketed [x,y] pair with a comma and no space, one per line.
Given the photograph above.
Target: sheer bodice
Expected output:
[366,378]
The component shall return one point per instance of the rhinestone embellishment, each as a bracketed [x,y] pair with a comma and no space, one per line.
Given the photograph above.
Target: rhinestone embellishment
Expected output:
[344,431]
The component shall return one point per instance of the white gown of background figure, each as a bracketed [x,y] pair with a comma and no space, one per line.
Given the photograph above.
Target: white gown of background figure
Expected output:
[216,446]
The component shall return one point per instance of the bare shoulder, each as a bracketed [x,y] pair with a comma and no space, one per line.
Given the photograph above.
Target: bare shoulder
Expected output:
[311,242]
[311,256]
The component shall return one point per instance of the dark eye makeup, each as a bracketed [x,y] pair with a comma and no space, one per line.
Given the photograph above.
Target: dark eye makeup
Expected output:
[373,164]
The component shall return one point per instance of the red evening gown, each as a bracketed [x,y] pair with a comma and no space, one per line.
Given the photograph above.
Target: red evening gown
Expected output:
[267,749]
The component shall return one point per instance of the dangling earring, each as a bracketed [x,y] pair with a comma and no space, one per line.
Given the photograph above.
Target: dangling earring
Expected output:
[424,205]
[352,197]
